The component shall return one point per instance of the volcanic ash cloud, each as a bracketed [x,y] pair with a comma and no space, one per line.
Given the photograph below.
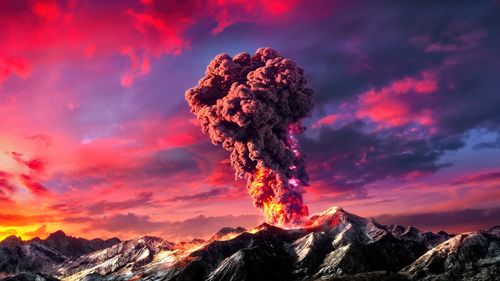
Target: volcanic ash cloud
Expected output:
[252,106]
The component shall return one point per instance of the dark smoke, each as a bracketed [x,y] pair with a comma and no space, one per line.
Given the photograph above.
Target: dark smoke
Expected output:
[252,106]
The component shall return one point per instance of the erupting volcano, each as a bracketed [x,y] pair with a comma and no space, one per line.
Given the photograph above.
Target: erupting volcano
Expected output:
[252,106]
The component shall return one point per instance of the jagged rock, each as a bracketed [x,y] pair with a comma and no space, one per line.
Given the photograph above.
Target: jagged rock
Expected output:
[467,256]
[11,241]
[429,239]
[227,232]
[333,244]
[371,276]
[30,276]
[33,257]
[94,277]
[42,255]
[495,231]
[122,258]
[75,247]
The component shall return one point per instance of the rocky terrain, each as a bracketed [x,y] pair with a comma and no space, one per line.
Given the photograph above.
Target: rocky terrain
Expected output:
[333,245]
[37,255]
[467,256]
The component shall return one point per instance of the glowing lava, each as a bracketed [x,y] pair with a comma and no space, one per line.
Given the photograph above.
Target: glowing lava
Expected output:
[278,209]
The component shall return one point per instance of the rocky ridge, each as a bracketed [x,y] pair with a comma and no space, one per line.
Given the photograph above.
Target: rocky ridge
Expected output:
[332,245]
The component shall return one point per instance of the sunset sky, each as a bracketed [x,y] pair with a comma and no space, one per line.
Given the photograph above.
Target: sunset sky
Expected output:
[97,139]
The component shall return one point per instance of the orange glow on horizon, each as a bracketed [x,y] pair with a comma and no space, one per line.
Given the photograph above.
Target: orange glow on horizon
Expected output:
[27,232]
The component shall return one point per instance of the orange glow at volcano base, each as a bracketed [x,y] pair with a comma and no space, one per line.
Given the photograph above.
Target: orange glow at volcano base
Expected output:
[275,212]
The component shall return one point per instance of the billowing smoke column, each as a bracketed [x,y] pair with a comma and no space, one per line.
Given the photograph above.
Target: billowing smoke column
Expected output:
[252,106]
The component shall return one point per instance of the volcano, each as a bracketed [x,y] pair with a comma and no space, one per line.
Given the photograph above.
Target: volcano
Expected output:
[332,245]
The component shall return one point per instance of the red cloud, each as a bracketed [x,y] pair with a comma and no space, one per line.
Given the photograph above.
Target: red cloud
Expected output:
[21,220]
[178,131]
[70,30]
[13,65]
[392,105]
[166,38]
[33,185]
[35,164]
[487,178]
[228,12]
[24,173]
[46,9]
[326,121]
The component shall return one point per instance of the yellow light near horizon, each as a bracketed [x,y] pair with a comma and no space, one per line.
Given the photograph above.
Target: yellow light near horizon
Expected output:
[17,231]
[23,232]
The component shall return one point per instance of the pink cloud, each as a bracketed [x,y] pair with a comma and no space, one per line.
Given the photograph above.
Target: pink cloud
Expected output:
[392,105]
[36,165]
[33,185]
[326,121]
[13,65]
[57,31]
[229,12]
[483,178]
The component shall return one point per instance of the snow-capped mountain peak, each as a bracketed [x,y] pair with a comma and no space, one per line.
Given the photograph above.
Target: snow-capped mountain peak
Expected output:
[331,245]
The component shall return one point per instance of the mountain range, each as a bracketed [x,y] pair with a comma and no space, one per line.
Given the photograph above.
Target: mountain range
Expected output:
[332,245]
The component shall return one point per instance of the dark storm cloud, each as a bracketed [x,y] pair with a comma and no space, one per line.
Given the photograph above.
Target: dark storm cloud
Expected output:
[489,145]
[380,44]
[350,157]
[352,52]
[481,218]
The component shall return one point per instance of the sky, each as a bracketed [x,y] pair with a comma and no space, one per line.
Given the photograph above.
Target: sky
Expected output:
[97,139]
